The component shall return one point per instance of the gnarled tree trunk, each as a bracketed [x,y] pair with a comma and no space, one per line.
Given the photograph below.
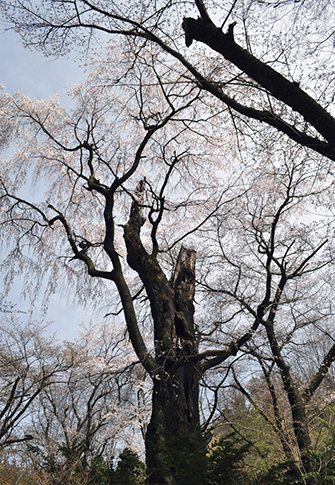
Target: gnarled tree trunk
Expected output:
[175,407]
[175,412]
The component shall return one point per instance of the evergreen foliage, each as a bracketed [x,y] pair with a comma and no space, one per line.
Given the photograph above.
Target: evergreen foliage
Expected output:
[226,461]
[130,470]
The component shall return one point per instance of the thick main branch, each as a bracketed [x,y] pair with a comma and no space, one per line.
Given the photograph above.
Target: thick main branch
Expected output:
[281,88]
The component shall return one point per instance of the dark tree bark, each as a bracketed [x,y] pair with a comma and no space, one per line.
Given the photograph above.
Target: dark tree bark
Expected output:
[281,88]
[175,406]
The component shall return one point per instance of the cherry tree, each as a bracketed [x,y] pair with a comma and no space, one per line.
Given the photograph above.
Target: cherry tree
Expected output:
[166,142]
[267,253]
[280,50]
[125,156]
[98,404]
[29,364]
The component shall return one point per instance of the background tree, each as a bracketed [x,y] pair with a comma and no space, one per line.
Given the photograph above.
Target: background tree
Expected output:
[28,365]
[130,469]
[293,348]
[96,405]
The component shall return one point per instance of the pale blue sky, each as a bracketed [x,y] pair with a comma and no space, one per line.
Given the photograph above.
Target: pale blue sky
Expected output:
[40,78]
[31,73]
